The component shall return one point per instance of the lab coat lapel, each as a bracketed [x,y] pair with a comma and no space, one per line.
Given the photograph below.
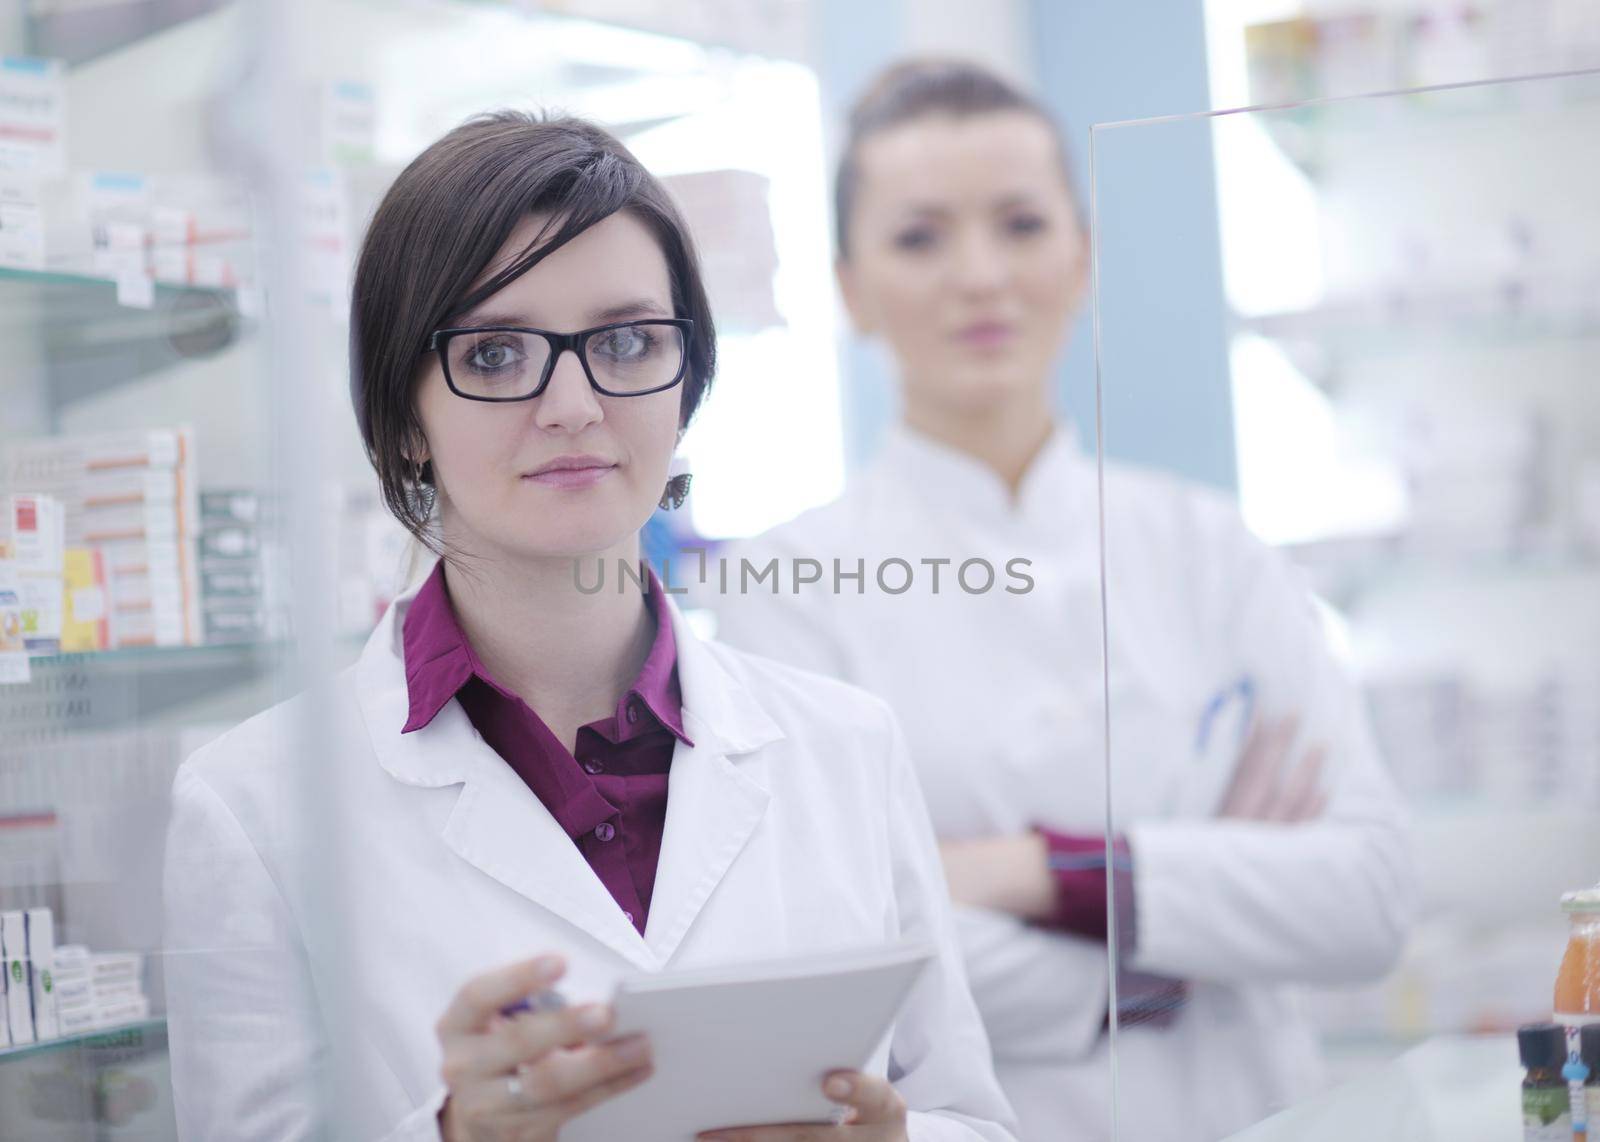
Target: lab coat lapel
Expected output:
[502,828]
[497,824]
[714,804]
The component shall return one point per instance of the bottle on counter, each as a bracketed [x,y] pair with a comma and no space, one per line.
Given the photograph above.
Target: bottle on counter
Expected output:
[1546,1105]
[1578,982]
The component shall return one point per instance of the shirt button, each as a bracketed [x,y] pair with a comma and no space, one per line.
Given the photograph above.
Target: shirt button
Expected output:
[633,712]
[605,831]
[592,767]
[628,916]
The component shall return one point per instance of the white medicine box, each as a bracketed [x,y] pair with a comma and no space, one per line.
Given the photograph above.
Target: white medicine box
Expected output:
[19,1003]
[41,969]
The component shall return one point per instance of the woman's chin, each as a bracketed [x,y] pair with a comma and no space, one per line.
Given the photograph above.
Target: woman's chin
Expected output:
[583,542]
[976,392]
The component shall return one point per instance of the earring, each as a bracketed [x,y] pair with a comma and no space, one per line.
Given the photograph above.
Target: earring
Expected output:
[423,492]
[677,491]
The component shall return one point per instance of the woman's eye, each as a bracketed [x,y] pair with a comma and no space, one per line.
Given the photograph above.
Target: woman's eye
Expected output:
[1024,224]
[621,344]
[493,356]
[918,238]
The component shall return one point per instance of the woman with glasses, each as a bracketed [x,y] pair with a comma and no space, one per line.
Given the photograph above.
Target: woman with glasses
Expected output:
[536,771]
[968,593]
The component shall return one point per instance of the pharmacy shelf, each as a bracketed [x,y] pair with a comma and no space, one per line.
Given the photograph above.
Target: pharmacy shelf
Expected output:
[141,659]
[131,1038]
[1311,134]
[1344,570]
[120,688]
[91,342]
[61,278]
[179,659]
[1424,323]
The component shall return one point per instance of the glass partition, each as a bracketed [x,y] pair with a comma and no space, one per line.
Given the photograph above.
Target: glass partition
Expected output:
[134,619]
[1352,669]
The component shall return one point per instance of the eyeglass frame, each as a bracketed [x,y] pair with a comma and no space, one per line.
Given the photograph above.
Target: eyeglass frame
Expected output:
[439,340]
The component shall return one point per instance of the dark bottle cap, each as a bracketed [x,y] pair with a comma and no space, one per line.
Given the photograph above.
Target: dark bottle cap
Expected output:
[1589,1049]
[1543,1046]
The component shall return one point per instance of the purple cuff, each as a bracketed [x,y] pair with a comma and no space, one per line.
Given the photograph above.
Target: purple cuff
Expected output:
[1078,867]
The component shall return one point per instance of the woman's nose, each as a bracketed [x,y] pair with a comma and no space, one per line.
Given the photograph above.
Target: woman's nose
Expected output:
[980,265]
[568,402]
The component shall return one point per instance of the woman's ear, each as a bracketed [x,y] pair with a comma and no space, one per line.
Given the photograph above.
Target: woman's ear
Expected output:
[415,450]
[861,318]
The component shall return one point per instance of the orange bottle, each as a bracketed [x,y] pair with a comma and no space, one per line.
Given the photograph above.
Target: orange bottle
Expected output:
[1578,981]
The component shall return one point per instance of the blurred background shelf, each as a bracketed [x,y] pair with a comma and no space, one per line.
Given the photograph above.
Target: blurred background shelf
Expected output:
[146,1035]
[1412,323]
[179,659]
[88,341]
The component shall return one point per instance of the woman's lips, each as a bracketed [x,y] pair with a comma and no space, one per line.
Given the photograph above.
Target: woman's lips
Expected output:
[986,335]
[572,477]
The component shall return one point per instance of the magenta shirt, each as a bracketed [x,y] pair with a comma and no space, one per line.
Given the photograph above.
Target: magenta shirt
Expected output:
[610,794]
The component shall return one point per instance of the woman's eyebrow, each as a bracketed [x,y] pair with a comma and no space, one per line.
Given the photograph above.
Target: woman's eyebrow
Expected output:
[918,210]
[628,310]
[489,317]
[623,311]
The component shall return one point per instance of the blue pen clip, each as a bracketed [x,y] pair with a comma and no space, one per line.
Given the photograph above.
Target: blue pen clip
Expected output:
[1244,691]
[546,1000]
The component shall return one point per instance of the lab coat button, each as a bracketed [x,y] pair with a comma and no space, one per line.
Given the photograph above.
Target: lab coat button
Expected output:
[605,830]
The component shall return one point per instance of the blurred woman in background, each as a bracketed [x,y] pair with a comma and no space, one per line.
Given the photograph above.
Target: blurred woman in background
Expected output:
[1258,842]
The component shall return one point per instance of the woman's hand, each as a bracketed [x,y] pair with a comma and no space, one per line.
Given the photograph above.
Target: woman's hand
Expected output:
[1268,786]
[1003,874]
[877,1113]
[520,1078]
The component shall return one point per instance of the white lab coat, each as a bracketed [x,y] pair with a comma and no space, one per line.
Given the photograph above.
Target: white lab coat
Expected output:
[1001,699]
[330,883]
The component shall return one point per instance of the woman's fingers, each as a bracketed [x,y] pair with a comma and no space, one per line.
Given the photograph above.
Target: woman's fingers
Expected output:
[872,1101]
[876,1111]
[570,1082]
[1303,791]
[484,995]
[523,1039]
[1267,786]
[1255,777]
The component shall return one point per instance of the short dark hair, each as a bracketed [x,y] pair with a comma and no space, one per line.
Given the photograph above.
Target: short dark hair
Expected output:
[440,225]
[913,89]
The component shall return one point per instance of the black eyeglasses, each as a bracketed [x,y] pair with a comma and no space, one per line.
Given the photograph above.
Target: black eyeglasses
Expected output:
[509,363]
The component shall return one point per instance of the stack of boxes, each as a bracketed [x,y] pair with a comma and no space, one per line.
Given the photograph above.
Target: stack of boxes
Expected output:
[236,569]
[109,544]
[129,509]
[51,992]
[96,990]
[32,544]
[190,230]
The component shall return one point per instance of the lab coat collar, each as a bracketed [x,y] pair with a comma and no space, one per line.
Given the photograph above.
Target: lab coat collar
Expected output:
[961,483]
[499,826]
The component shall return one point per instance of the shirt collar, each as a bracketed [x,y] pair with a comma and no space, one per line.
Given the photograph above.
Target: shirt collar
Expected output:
[959,482]
[657,683]
[439,661]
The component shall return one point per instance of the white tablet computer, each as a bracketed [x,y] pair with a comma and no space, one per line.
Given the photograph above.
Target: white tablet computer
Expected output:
[750,1044]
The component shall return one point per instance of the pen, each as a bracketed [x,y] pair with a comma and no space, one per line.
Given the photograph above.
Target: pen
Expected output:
[546,1000]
